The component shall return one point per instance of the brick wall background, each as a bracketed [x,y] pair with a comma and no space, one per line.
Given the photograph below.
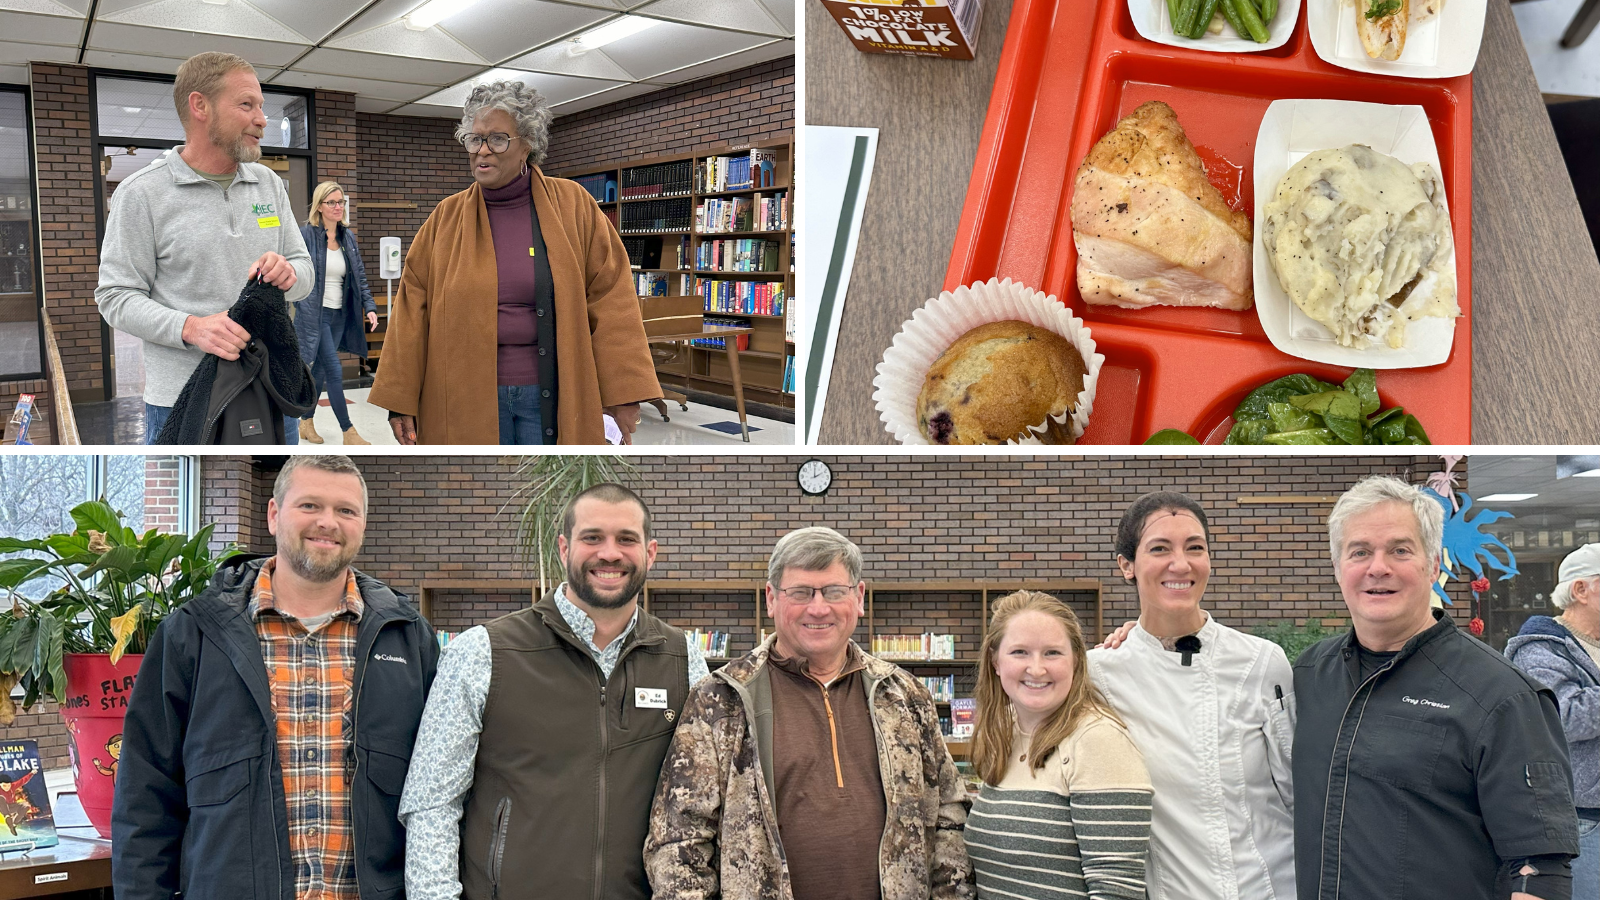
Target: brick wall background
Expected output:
[66,172]
[161,507]
[916,519]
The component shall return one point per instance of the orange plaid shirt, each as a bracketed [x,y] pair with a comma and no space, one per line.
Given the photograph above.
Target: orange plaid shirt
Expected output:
[312,674]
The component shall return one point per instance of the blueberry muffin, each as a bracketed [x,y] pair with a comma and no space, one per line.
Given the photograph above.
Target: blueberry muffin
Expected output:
[998,379]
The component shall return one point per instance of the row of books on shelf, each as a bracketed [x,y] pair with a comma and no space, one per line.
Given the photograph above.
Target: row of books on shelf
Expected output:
[712,643]
[737,172]
[657,284]
[657,251]
[914,646]
[741,341]
[602,186]
[752,298]
[942,687]
[788,374]
[758,213]
[737,255]
[657,215]
[962,720]
[669,179]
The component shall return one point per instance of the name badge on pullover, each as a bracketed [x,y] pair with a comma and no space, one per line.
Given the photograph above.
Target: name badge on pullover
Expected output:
[267,222]
[650,698]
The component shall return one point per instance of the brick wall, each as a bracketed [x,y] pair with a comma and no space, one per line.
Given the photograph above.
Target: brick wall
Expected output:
[234,496]
[745,106]
[161,486]
[401,159]
[67,171]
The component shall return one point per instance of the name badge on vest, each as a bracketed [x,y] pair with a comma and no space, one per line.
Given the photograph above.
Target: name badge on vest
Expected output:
[650,698]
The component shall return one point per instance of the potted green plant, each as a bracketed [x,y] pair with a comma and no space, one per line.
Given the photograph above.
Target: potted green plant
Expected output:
[82,642]
[547,484]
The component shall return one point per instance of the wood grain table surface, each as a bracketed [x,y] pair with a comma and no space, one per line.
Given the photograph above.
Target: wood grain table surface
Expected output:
[1535,276]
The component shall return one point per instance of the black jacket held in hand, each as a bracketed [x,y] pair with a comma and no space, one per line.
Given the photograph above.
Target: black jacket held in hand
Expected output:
[244,400]
[200,804]
[1429,779]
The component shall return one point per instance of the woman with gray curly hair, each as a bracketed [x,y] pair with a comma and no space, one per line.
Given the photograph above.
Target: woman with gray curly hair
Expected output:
[518,289]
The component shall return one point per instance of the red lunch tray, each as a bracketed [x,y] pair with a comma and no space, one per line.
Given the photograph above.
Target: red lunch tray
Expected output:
[1070,70]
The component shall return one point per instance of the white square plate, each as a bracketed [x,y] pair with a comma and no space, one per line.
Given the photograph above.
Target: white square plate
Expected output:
[1444,46]
[1291,130]
[1154,23]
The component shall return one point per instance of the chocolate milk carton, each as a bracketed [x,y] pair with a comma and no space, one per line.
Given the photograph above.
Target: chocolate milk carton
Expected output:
[947,29]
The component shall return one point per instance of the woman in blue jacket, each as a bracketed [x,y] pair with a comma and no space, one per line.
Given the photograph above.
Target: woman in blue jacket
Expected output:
[328,320]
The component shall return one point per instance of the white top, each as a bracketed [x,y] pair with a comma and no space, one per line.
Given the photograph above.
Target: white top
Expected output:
[1217,742]
[333,284]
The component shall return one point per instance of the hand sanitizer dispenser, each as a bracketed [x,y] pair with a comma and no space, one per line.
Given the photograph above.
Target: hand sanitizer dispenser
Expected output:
[389,260]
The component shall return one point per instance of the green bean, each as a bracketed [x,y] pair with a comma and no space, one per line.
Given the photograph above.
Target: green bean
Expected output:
[1202,23]
[1233,19]
[1269,8]
[1251,19]
[1172,11]
[1187,10]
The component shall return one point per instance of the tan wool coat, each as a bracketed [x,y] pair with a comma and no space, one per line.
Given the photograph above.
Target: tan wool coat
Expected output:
[439,354]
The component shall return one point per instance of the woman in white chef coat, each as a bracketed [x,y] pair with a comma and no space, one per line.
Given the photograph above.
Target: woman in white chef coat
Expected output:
[1211,708]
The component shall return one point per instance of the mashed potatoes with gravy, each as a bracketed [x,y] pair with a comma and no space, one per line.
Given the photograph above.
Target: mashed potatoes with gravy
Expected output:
[1361,242]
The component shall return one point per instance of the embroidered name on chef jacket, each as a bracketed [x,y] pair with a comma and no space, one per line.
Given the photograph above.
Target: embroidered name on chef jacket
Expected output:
[650,698]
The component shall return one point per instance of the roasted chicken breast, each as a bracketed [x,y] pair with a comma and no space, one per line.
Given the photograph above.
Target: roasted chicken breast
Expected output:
[1150,228]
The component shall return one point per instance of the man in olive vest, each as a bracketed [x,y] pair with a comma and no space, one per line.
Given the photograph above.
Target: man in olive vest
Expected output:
[539,783]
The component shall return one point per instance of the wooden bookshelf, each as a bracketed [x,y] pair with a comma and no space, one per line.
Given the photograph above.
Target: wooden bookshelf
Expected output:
[762,364]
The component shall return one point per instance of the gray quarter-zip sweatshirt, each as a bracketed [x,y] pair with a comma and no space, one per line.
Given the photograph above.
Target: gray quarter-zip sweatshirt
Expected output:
[178,245]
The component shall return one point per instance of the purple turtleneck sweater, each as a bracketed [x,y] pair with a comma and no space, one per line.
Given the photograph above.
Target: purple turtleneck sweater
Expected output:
[522,278]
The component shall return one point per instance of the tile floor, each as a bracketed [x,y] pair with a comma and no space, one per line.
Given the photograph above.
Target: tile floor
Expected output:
[1574,72]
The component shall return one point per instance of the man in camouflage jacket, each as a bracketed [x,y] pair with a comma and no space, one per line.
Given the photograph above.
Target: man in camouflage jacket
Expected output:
[736,770]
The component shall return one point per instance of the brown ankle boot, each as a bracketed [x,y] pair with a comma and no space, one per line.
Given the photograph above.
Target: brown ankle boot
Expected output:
[308,432]
[351,438]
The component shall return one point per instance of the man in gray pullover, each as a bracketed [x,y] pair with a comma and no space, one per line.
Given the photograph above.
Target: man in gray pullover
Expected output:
[1564,653]
[188,231]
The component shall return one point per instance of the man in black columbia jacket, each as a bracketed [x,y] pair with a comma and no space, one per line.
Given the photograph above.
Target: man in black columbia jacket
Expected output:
[268,735]
[1425,765]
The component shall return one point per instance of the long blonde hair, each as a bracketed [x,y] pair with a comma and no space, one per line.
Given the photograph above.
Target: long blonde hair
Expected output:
[991,744]
[314,217]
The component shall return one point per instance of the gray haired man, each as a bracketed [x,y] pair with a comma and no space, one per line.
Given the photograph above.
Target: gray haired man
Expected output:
[188,231]
[807,768]
[1425,765]
[1564,654]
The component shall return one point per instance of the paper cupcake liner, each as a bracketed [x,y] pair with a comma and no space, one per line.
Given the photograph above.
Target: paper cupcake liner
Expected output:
[943,320]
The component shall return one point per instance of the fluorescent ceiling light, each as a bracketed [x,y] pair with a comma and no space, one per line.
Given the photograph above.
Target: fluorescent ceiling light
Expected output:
[133,109]
[216,2]
[1592,473]
[1506,498]
[435,11]
[614,30]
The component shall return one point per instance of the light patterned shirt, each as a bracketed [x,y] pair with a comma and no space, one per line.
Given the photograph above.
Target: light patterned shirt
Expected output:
[311,673]
[446,751]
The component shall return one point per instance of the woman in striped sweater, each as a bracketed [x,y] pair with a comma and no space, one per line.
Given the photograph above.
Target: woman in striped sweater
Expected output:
[1065,806]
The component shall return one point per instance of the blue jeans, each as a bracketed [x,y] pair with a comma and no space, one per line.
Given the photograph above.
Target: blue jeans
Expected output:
[325,370]
[154,418]
[1586,868]
[519,414]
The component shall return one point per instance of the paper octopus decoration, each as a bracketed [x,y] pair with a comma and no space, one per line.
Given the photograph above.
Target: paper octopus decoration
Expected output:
[1465,545]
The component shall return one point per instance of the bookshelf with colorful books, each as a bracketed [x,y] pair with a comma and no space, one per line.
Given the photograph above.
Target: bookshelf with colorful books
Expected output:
[717,224]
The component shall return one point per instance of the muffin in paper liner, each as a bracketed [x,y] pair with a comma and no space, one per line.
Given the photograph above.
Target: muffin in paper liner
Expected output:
[943,320]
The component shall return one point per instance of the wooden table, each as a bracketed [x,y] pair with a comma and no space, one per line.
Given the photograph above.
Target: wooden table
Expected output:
[1535,277]
[729,334]
[82,856]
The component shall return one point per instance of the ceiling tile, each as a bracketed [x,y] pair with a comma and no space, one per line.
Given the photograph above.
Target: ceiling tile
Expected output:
[40,29]
[567,58]
[386,68]
[13,75]
[184,44]
[366,87]
[237,18]
[374,105]
[612,95]
[398,39]
[671,45]
[13,53]
[45,8]
[774,50]
[739,15]
[555,88]
[429,111]
[315,19]
[499,29]
[783,11]
[134,62]
[381,13]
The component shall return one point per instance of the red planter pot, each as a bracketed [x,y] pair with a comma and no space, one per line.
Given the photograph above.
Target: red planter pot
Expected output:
[97,698]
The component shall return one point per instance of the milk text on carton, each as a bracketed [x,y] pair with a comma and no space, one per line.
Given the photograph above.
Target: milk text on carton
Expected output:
[946,29]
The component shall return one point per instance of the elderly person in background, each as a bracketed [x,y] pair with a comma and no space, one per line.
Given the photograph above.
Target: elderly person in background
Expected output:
[1564,654]
[518,290]
[328,320]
